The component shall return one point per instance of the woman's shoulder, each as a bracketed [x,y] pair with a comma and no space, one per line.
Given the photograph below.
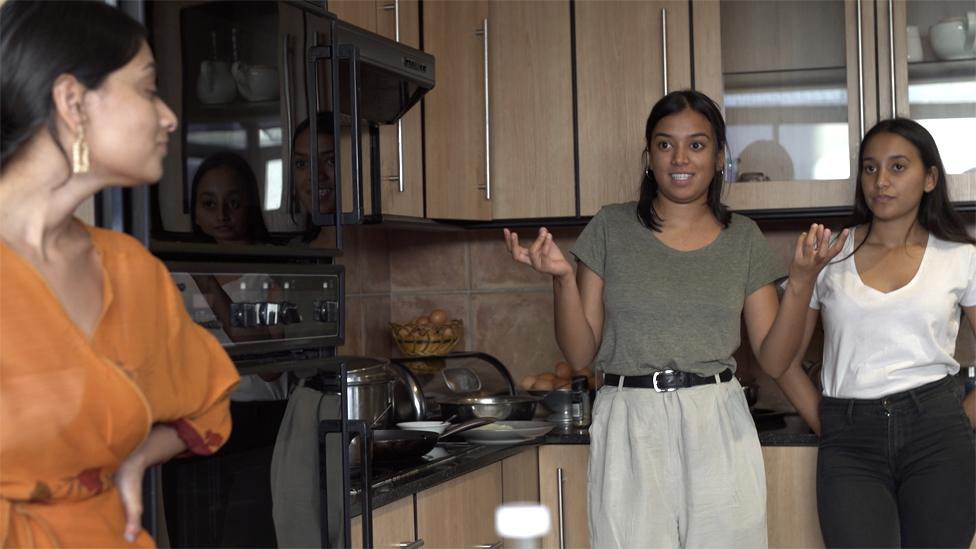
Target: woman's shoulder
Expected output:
[122,247]
[621,212]
[743,227]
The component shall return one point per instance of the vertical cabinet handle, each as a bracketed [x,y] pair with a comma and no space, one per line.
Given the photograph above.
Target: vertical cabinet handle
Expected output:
[891,54]
[860,70]
[419,542]
[395,6]
[664,48]
[559,507]
[484,43]
[289,120]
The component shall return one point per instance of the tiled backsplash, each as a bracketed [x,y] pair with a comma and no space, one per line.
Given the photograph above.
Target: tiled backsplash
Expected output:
[396,274]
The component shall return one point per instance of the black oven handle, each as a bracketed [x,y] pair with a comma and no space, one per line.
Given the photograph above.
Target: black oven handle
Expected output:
[315,54]
[351,52]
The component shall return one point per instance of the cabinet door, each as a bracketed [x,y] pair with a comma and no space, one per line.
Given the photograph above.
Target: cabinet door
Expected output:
[931,73]
[798,85]
[392,525]
[791,496]
[455,111]
[531,110]
[401,147]
[520,477]
[570,463]
[621,72]
[461,512]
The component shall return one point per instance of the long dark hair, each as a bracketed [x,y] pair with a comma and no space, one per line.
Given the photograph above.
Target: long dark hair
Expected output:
[672,103]
[256,229]
[935,211]
[40,41]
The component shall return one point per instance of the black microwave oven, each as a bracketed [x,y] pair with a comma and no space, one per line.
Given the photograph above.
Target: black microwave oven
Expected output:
[250,82]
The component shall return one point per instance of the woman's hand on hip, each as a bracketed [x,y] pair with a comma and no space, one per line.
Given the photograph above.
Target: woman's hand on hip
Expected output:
[543,254]
[813,252]
[128,480]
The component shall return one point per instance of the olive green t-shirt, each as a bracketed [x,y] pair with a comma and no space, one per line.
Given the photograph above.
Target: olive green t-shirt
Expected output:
[668,309]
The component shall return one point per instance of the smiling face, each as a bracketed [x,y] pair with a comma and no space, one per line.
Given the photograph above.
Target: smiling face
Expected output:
[893,177]
[127,124]
[326,175]
[222,205]
[684,157]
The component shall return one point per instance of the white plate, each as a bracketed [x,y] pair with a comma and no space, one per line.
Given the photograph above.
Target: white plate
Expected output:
[519,431]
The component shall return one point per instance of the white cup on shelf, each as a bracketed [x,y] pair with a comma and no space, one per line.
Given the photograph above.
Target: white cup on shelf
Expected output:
[914,50]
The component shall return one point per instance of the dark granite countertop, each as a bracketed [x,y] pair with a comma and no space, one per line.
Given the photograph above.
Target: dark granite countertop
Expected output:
[453,459]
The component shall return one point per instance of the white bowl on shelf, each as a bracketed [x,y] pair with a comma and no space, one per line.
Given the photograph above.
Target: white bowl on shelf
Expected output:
[434,426]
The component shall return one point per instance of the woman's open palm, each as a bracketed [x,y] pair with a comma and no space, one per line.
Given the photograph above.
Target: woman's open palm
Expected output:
[543,254]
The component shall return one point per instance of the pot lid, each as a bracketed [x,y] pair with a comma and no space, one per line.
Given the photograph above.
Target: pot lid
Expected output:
[367,371]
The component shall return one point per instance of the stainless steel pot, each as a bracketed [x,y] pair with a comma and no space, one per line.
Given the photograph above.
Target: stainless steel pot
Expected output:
[500,407]
[369,392]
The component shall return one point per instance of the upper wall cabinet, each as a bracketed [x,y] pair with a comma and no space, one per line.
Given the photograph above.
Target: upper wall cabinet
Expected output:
[931,74]
[499,122]
[797,80]
[401,145]
[628,55]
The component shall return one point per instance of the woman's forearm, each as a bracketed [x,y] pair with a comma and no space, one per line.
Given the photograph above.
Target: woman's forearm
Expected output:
[800,391]
[162,444]
[785,336]
[574,335]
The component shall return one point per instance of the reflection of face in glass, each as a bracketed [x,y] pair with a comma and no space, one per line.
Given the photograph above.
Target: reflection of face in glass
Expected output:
[222,205]
[326,175]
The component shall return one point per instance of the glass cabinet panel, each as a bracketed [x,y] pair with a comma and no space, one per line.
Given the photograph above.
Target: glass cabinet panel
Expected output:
[786,92]
[940,49]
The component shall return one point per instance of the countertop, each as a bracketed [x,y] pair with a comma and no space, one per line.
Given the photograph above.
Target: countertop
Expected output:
[450,460]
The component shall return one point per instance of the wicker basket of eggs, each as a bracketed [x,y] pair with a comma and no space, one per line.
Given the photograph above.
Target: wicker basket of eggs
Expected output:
[559,378]
[427,335]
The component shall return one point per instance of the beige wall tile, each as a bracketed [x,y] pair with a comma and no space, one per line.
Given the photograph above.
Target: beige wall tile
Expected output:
[377,340]
[374,260]
[354,327]
[350,259]
[518,329]
[427,260]
[492,266]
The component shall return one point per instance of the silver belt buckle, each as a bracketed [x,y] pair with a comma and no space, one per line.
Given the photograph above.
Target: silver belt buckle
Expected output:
[654,382]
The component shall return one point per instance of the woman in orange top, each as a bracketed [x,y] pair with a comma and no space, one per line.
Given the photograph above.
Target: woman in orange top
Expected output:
[102,372]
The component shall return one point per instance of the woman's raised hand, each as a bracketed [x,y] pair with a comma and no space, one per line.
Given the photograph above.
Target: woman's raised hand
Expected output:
[813,251]
[543,255]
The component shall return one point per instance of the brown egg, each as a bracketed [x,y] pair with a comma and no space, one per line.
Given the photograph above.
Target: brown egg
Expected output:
[542,385]
[438,316]
[549,376]
[447,332]
[403,332]
[527,382]
[564,370]
[422,321]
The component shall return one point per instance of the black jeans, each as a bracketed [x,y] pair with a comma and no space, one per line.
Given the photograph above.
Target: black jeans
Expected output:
[897,471]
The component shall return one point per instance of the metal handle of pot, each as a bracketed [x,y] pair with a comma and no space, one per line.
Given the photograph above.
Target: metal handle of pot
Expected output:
[464,426]
[664,48]
[419,542]
[487,186]
[559,507]
[496,545]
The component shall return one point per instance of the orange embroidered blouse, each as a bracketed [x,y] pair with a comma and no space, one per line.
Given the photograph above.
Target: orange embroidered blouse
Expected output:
[72,408]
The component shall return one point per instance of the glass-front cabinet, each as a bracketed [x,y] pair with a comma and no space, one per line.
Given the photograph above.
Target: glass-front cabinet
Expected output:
[796,80]
[931,73]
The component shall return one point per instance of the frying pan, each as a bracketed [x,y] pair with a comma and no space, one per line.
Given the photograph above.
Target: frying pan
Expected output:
[398,446]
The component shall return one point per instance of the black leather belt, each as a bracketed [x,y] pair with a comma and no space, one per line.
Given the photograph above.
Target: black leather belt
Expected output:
[666,380]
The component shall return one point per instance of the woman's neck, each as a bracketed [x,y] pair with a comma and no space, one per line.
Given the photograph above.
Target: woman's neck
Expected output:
[897,233]
[683,216]
[38,198]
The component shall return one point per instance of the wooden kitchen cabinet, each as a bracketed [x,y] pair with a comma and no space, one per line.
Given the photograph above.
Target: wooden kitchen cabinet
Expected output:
[797,81]
[569,461]
[401,145]
[499,122]
[520,477]
[461,512]
[621,71]
[392,525]
[791,496]
[935,92]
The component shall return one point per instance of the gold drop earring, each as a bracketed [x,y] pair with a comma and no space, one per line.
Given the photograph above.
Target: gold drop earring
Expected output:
[79,153]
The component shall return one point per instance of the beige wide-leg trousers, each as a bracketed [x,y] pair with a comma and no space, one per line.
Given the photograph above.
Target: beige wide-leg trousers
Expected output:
[678,469]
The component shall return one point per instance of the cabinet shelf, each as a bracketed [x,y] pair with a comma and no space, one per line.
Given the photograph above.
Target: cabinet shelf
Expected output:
[942,71]
[792,79]
[235,110]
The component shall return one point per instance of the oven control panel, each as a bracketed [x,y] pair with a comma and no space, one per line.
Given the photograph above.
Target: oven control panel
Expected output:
[245,308]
